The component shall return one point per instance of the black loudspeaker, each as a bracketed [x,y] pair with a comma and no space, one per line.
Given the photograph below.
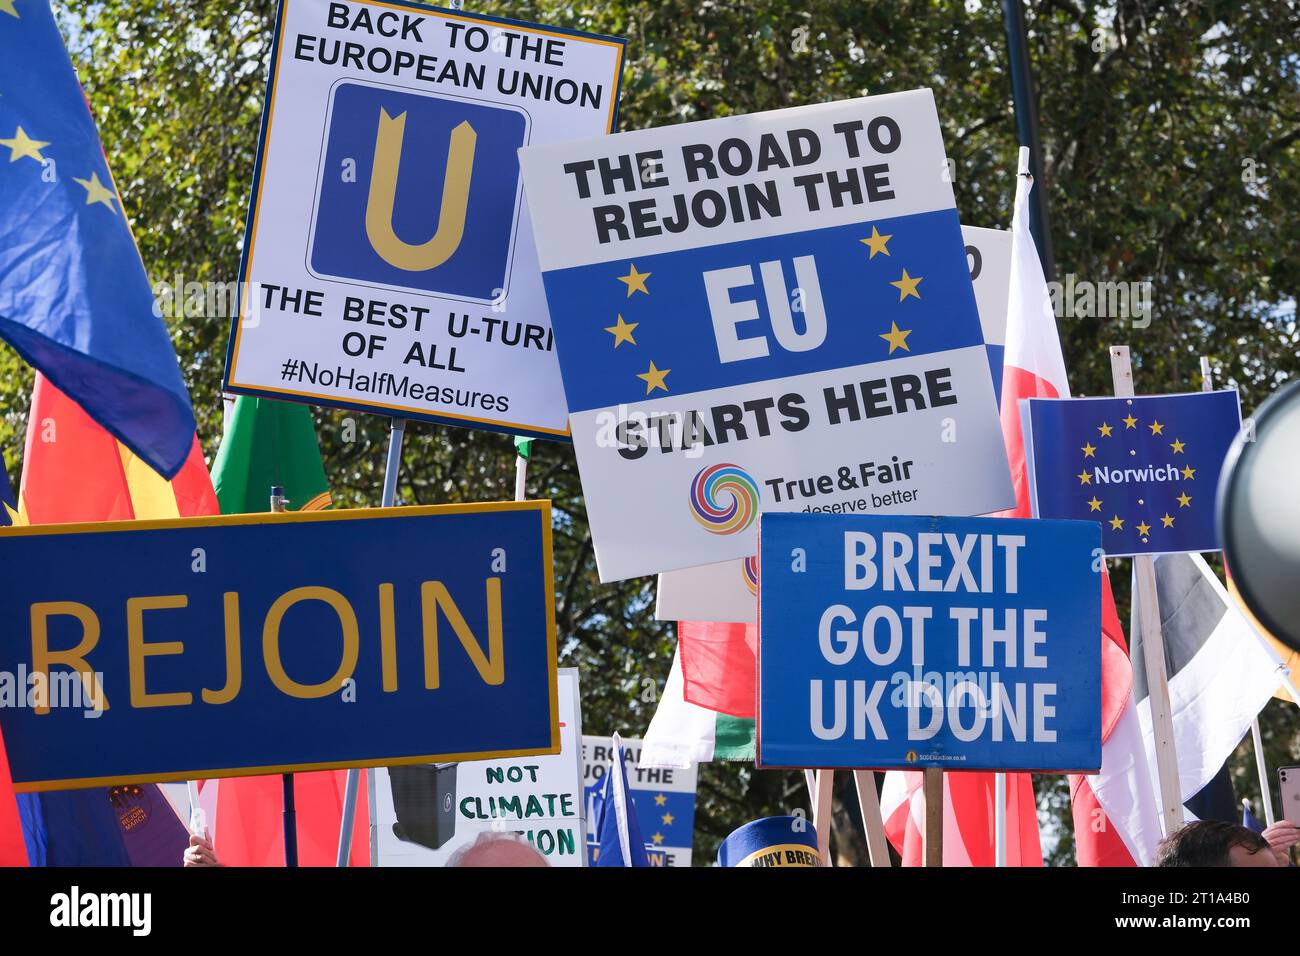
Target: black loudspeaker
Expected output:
[1259,515]
[424,799]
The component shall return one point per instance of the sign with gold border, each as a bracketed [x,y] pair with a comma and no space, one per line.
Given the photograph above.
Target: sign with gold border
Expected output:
[389,264]
[252,644]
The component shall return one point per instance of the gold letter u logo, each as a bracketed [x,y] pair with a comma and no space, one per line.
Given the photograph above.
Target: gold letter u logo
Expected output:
[383,193]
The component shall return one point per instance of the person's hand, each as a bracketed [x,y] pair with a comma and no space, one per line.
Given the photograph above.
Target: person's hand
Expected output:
[1281,836]
[200,851]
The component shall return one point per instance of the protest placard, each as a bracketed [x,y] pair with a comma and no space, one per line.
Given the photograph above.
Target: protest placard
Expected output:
[427,812]
[953,643]
[388,263]
[728,590]
[664,797]
[764,312]
[165,650]
[1145,467]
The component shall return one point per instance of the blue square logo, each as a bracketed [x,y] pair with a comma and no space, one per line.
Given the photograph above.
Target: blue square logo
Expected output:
[418,192]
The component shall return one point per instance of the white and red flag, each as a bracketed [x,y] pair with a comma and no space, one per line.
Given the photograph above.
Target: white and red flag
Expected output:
[1116,818]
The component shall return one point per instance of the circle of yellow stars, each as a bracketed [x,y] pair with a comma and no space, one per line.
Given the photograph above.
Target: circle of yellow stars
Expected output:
[1177,447]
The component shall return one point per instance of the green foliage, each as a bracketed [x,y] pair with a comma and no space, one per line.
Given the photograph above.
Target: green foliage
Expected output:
[1153,113]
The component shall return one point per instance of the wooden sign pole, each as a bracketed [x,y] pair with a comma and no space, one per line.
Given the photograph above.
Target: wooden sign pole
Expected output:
[872,822]
[822,802]
[933,816]
[1153,644]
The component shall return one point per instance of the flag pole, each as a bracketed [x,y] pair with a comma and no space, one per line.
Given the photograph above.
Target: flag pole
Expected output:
[278,502]
[872,822]
[1207,385]
[933,788]
[521,474]
[396,432]
[1153,644]
[1000,819]
[822,813]
[1026,109]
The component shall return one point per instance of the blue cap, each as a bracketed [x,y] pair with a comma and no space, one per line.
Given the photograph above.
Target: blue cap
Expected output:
[771,841]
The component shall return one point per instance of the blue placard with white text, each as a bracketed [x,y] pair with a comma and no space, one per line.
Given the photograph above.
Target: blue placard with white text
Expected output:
[912,642]
[212,647]
[1146,467]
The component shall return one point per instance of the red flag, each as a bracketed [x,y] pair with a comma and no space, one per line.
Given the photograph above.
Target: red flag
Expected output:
[1035,368]
[249,828]
[75,471]
[968,819]
[13,851]
[719,665]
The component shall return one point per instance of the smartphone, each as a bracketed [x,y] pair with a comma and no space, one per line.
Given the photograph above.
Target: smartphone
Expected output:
[1288,782]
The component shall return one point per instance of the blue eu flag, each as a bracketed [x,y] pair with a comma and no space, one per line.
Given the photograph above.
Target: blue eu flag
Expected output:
[74,298]
[1145,468]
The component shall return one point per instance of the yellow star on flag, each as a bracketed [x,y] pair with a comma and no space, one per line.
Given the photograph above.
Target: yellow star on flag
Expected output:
[1094,504]
[1117,523]
[896,339]
[634,280]
[1084,477]
[907,286]
[1167,521]
[1177,446]
[658,838]
[1189,472]
[622,331]
[97,191]
[660,799]
[1088,450]
[876,242]
[1156,428]
[1184,500]
[7,6]
[667,819]
[1129,422]
[23,145]
[654,378]
[1144,529]
[1105,430]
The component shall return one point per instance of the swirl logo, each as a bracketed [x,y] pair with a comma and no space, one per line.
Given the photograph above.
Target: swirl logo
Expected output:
[751,574]
[715,485]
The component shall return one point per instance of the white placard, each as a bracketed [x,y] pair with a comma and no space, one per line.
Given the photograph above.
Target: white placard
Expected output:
[389,262]
[428,812]
[764,313]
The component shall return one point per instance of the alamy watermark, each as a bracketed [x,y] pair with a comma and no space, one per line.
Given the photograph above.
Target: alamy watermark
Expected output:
[41,692]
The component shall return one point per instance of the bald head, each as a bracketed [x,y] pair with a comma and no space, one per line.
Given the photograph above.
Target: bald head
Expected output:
[497,850]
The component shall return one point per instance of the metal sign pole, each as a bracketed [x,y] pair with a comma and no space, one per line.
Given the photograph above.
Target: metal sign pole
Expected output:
[278,503]
[396,432]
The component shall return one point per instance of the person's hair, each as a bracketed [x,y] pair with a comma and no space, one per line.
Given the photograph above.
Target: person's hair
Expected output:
[1207,843]
[488,839]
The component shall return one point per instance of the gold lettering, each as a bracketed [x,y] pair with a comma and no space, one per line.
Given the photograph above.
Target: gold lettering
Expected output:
[271,642]
[43,657]
[383,195]
[234,660]
[492,666]
[138,649]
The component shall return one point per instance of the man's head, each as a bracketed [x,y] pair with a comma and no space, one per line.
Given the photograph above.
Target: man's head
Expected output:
[496,850]
[1214,843]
